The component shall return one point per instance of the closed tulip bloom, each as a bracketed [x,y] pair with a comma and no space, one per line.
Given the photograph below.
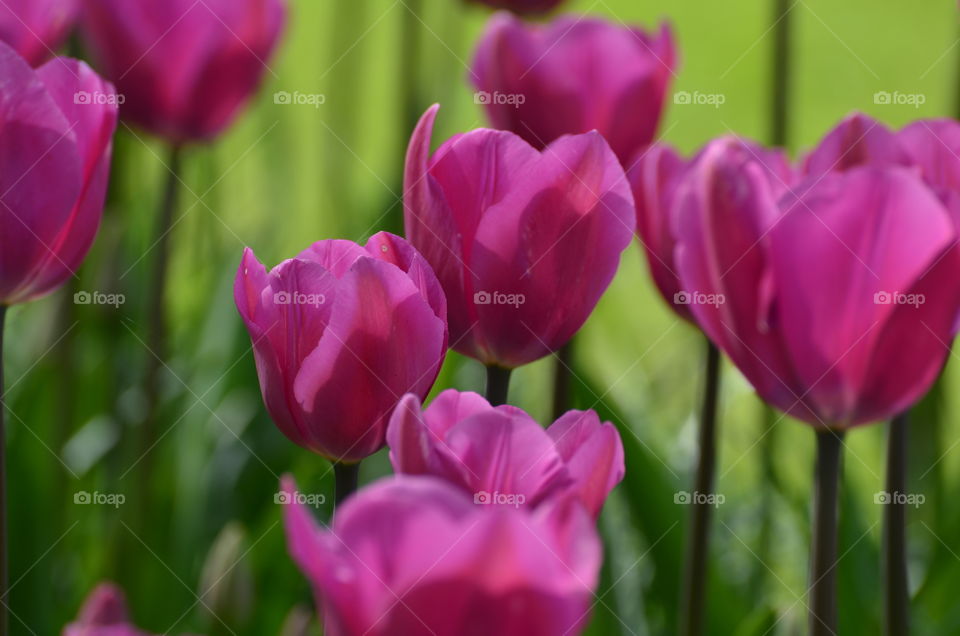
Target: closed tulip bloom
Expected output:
[340,333]
[184,68]
[55,147]
[573,75]
[104,613]
[415,556]
[654,176]
[524,242]
[522,7]
[503,452]
[36,28]
[839,295]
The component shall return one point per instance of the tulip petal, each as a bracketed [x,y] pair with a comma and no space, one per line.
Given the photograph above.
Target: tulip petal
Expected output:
[593,454]
[382,341]
[554,241]
[933,146]
[858,140]
[507,453]
[93,123]
[408,438]
[884,232]
[40,174]
[724,214]
[654,176]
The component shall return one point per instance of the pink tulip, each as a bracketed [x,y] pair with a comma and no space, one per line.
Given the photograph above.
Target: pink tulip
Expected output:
[524,242]
[522,7]
[654,176]
[414,556]
[104,613]
[185,68]
[840,295]
[37,28]
[340,333]
[501,453]
[56,141]
[574,75]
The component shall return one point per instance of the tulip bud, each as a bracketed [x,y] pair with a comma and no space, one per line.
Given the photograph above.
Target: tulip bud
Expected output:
[36,28]
[340,333]
[573,75]
[838,296]
[56,139]
[184,69]
[524,242]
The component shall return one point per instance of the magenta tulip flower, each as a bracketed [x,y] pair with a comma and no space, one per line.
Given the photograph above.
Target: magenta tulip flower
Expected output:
[415,556]
[654,176]
[501,453]
[185,68]
[522,7]
[340,333]
[840,299]
[573,75]
[524,242]
[37,28]
[56,141]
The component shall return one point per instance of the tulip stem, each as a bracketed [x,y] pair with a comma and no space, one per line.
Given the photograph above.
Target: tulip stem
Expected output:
[4,566]
[156,305]
[781,72]
[692,610]
[823,558]
[346,478]
[498,384]
[895,532]
[561,380]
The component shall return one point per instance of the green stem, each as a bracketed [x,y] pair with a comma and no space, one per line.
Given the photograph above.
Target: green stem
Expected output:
[896,580]
[693,600]
[781,73]
[561,380]
[498,384]
[4,564]
[823,559]
[156,308]
[346,477]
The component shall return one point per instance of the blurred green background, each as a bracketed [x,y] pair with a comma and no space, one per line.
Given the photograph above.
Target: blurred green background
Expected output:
[199,504]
